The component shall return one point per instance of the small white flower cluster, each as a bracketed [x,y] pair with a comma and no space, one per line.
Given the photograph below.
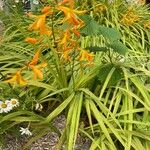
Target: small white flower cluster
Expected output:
[8,105]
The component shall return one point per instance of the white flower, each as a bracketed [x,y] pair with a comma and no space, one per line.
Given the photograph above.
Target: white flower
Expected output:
[25,131]
[38,107]
[8,105]
[35,2]
[5,107]
[14,102]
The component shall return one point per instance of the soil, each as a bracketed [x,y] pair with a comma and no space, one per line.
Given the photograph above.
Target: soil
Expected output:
[47,142]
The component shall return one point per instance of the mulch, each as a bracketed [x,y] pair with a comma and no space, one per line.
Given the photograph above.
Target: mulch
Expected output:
[47,142]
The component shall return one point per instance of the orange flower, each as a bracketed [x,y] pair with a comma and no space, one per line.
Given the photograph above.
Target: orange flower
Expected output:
[66,55]
[31,40]
[34,61]
[67,51]
[86,56]
[66,37]
[46,10]
[76,32]
[17,78]
[40,25]
[36,68]
[70,15]
[46,31]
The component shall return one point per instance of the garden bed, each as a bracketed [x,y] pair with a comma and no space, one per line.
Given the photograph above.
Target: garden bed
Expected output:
[75,73]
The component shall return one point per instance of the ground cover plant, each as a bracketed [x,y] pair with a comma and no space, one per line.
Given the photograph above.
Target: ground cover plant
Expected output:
[88,60]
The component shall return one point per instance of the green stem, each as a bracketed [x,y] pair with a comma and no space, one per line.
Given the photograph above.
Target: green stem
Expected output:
[53,33]
[110,56]
[59,65]
[72,70]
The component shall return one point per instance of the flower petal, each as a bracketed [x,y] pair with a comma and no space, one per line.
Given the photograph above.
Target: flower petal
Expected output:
[37,73]
[31,40]
[46,9]
[34,61]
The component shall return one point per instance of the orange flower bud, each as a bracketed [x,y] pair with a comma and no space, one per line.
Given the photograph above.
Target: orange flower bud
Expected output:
[31,40]
[46,9]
